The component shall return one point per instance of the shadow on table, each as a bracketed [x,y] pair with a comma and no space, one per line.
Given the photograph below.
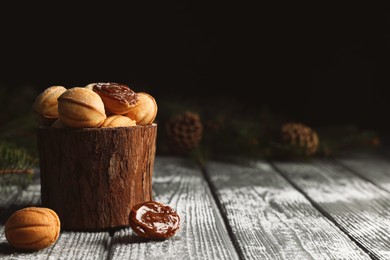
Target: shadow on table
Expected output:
[129,239]
[7,249]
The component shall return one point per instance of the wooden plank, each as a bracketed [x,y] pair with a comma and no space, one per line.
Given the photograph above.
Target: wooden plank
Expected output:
[270,219]
[372,167]
[358,207]
[26,198]
[81,245]
[70,245]
[202,235]
[7,196]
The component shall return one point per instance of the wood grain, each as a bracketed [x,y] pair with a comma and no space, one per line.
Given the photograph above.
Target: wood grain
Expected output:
[81,245]
[92,177]
[78,246]
[202,235]
[7,196]
[269,219]
[358,207]
[372,167]
[26,198]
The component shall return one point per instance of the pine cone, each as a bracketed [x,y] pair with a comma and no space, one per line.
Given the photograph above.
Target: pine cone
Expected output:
[302,136]
[184,131]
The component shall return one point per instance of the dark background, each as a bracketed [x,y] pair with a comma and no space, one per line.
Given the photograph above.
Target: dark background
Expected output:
[320,63]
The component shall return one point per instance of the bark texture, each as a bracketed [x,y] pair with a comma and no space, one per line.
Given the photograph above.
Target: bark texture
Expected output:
[92,177]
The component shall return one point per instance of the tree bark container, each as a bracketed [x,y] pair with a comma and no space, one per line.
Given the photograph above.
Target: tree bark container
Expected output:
[92,177]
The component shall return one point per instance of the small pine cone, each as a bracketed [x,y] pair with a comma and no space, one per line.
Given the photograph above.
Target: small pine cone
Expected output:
[297,134]
[184,131]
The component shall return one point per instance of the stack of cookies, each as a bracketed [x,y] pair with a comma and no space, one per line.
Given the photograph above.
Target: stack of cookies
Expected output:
[95,105]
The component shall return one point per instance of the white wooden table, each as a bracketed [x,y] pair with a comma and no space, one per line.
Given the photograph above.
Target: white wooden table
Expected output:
[322,209]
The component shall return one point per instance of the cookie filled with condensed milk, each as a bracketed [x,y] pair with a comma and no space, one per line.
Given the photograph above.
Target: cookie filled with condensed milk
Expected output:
[118,98]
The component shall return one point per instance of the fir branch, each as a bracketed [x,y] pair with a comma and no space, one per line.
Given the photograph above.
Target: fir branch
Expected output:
[16,171]
[16,165]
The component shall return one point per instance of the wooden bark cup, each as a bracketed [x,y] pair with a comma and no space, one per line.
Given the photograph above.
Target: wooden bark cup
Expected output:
[92,177]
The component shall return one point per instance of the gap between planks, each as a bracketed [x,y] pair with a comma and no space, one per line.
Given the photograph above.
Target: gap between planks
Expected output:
[220,208]
[360,208]
[279,233]
[320,209]
[179,182]
[65,245]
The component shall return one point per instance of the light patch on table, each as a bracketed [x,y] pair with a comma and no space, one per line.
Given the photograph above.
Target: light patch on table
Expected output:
[202,234]
[359,207]
[270,219]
